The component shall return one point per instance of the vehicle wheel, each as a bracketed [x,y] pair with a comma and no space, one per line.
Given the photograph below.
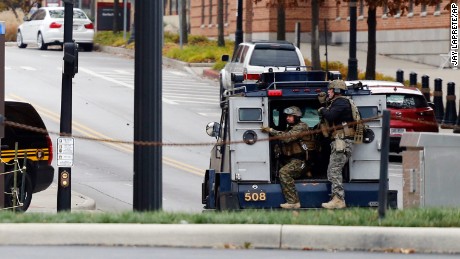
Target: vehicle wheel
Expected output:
[221,96]
[9,182]
[41,44]
[19,41]
[87,46]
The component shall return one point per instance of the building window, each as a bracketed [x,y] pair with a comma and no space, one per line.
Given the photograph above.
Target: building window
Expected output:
[361,10]
[202,13]
[437,10]
[411,8]
[423,10]
[385,11]
[210,13]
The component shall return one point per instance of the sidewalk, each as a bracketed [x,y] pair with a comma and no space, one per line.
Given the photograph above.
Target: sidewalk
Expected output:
[46,201]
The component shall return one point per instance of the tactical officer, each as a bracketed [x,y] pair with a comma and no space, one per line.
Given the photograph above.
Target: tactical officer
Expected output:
[294,152]
[337,114]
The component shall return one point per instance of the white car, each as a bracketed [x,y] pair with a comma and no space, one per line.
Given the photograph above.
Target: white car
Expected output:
[253,58]
[46,27]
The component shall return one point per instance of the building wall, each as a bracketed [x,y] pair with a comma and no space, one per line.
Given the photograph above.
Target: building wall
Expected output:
[418,36]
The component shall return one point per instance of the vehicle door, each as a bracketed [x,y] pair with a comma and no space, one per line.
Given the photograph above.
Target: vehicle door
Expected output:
[365,160]
[249,147]
[235,66]
[30,28]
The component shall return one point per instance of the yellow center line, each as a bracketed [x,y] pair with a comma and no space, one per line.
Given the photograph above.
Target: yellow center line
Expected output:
[88,132]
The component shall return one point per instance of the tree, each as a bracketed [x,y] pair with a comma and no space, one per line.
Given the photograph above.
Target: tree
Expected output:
[23,5]
[220,23]
[394,7]
[281,30]
[116,14]
[183,20]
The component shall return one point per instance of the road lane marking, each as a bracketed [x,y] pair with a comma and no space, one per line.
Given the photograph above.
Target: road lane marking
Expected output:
[86,131]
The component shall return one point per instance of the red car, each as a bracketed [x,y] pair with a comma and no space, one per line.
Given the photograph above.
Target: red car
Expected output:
[410,111]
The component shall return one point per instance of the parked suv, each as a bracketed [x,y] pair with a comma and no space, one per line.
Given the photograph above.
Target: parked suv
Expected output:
[253,58]
[410,111]
[38,146]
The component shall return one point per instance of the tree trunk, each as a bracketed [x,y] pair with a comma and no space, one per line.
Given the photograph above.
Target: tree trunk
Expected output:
[183,21]
[220,23]
[281,23]
[371,43]
[116,13]
[315,59]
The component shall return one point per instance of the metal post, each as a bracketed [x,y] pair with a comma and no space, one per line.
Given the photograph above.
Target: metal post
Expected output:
[352,61]
[384,154]
[297,34]
[400,76]
[125,18]
[239,25]
[437,100]
[147,189]
[64,191]
[2,106]
[413,79]
[426,87]
[450,116]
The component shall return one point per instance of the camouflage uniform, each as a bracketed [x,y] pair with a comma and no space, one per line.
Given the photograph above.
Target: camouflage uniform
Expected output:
[338,111]
[295,163]
[337,161]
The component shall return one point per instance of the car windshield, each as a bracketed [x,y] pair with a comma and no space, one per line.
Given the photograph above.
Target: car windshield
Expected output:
[274,57]
[406,101]
[60,14]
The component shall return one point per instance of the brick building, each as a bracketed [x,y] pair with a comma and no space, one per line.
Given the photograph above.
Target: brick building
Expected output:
[421,34]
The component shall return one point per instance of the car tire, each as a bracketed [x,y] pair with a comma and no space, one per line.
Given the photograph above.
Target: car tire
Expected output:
[9,182]
[41,44]
[19,40]
[221,96]
[87,46]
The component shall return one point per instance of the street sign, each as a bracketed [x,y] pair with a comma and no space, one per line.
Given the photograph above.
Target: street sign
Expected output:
[65,148]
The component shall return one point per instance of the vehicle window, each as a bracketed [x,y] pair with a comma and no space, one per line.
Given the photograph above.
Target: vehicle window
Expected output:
[405,101]
[236,57]
[310,116]
[250,114]
[24,114]
[367,112]
[243,55]
[274,57]
[38,15]
[60,14]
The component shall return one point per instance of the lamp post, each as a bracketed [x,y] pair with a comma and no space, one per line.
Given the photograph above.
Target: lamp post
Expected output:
[352,61]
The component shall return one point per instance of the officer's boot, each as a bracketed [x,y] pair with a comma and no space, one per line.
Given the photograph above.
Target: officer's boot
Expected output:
[290,205]
[335,203]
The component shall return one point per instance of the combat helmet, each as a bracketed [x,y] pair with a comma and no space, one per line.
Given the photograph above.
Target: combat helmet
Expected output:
[293,110]
[338,85]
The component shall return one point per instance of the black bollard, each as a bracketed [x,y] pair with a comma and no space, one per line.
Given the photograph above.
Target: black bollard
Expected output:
[413,79]
[457,125]
[426,87]
[400,76]
[437,100]
[450,117]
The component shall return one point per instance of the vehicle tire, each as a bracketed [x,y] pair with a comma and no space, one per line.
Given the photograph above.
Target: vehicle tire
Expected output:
[221,96]
[9,182]
[87,46]
[41,44]
[19,40]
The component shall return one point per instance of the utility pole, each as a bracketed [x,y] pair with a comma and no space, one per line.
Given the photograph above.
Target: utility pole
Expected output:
[65,142]
[239,25]
[147,189]
[352,61]
[2,107]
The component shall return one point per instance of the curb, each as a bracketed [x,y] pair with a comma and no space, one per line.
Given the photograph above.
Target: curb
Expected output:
[385,239]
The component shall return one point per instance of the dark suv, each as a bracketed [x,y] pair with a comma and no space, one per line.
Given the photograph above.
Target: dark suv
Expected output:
[38,146]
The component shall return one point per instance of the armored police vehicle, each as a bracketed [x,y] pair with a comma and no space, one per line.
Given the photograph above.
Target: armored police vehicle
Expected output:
[245,162]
